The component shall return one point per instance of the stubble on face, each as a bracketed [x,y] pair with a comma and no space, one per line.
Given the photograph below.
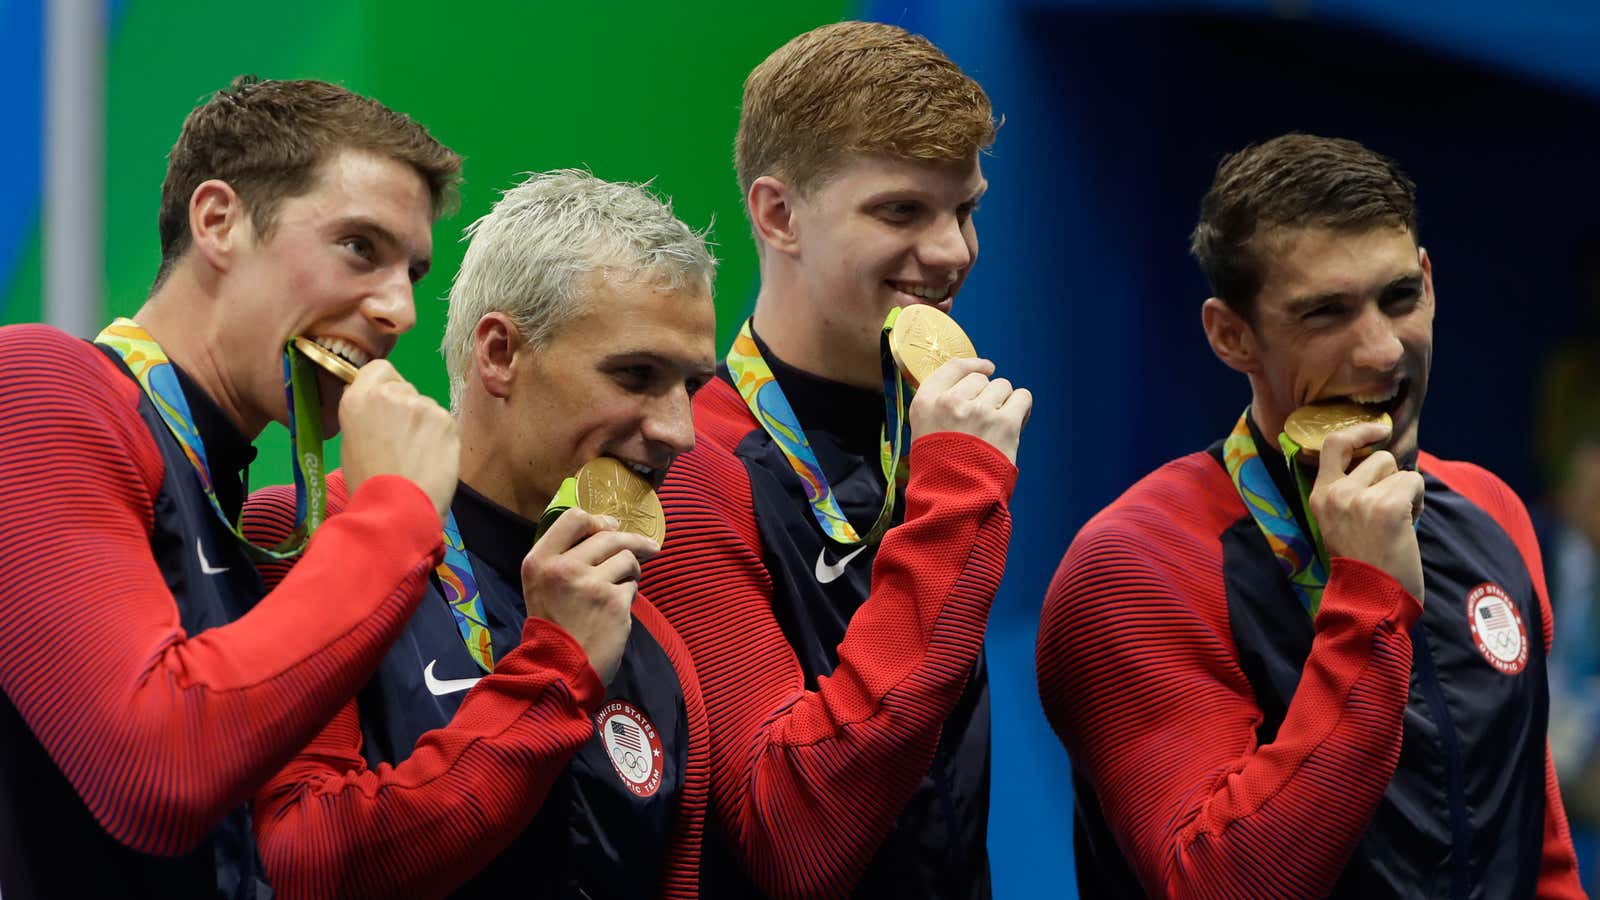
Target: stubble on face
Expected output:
[614,381]
[1345,316]
[339,263]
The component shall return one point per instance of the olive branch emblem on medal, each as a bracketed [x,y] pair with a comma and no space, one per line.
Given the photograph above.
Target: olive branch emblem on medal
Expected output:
[606,487]
[922,339]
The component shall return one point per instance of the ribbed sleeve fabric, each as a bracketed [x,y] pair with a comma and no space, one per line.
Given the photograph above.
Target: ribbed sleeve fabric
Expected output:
[161,732]
[809,782]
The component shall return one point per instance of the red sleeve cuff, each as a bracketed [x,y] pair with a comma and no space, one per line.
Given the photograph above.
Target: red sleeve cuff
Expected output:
[1366,594]
[553,647]
[408,521]
[955,455]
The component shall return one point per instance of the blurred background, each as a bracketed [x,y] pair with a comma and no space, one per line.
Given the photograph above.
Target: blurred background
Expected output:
[1116,115]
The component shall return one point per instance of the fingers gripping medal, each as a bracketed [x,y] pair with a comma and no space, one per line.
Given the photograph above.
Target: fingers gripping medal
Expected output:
[921,339]
[606,487]
[1304,432]
[916,341]
[1307,428]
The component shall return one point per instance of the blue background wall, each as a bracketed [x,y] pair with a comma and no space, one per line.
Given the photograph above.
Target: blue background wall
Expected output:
[1116,116]
[21,40]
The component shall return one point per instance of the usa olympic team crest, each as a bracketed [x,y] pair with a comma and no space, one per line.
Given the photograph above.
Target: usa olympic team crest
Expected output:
[1497,628]
[633,745]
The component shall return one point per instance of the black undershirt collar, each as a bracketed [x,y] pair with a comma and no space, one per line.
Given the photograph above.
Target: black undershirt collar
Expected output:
[493,533]
[853,415]
[228,452]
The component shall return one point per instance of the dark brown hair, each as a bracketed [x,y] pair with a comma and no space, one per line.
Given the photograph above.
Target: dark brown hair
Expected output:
[266,139]
[1292,181]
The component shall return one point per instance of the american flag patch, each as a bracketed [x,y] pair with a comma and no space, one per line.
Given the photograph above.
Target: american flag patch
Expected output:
[1497,628]
[631,741]
[627,735]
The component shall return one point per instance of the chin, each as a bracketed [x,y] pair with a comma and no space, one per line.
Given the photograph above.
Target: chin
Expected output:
[330,391]
[1405,451]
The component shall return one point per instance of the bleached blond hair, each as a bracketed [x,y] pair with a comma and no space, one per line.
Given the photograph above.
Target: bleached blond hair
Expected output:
[528,257]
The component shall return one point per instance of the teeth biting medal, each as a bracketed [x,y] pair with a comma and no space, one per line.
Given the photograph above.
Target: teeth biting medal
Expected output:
[607,487]
[1310,425]
[1301,552]
[337,365]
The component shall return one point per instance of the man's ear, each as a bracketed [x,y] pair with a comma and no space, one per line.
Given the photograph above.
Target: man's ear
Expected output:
[1232,338]
[218,223]
[496,343]
[1427,276]
[771,204]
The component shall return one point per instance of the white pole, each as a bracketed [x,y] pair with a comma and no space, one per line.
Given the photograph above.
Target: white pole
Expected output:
[74,165]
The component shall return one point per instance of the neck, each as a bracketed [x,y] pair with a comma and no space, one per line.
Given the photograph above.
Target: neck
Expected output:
[831,349]
[492,470]
[181,318]
[1268,419]
[1269,428]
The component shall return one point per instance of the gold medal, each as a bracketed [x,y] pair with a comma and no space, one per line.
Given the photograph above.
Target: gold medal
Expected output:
[606,487]
[922,339]
[1309,426]
[333,362]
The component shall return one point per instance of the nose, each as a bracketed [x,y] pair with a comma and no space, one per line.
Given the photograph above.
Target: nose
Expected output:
[1378,347]
[670,421]
[392,307]
[948,244]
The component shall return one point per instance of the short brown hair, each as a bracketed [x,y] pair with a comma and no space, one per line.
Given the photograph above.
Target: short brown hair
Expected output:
[856,87]
[266,140]
[1293,181]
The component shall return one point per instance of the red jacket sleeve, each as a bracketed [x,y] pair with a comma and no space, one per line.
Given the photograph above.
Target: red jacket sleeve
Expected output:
[160,732]
[808,783]
[1138,675]
[1558,870]
[681,878]
[329,826]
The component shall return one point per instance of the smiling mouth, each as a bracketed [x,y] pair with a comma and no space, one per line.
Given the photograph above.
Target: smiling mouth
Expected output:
[655,476]
[344,349]
[925,293]
[1387,401]
[336,356]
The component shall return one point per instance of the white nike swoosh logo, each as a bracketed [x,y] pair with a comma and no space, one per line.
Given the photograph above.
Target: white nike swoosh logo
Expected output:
[205,566]
[827,573]
[447,686]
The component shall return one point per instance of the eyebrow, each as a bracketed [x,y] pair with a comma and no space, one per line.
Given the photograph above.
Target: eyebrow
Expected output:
[1302,305]
[698,367]
[420,264]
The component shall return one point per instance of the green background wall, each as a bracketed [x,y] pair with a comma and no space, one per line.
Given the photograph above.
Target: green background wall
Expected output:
[631,90]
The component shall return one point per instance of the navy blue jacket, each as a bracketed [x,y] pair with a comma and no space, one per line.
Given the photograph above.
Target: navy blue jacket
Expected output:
[587,791]
[1224,744]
